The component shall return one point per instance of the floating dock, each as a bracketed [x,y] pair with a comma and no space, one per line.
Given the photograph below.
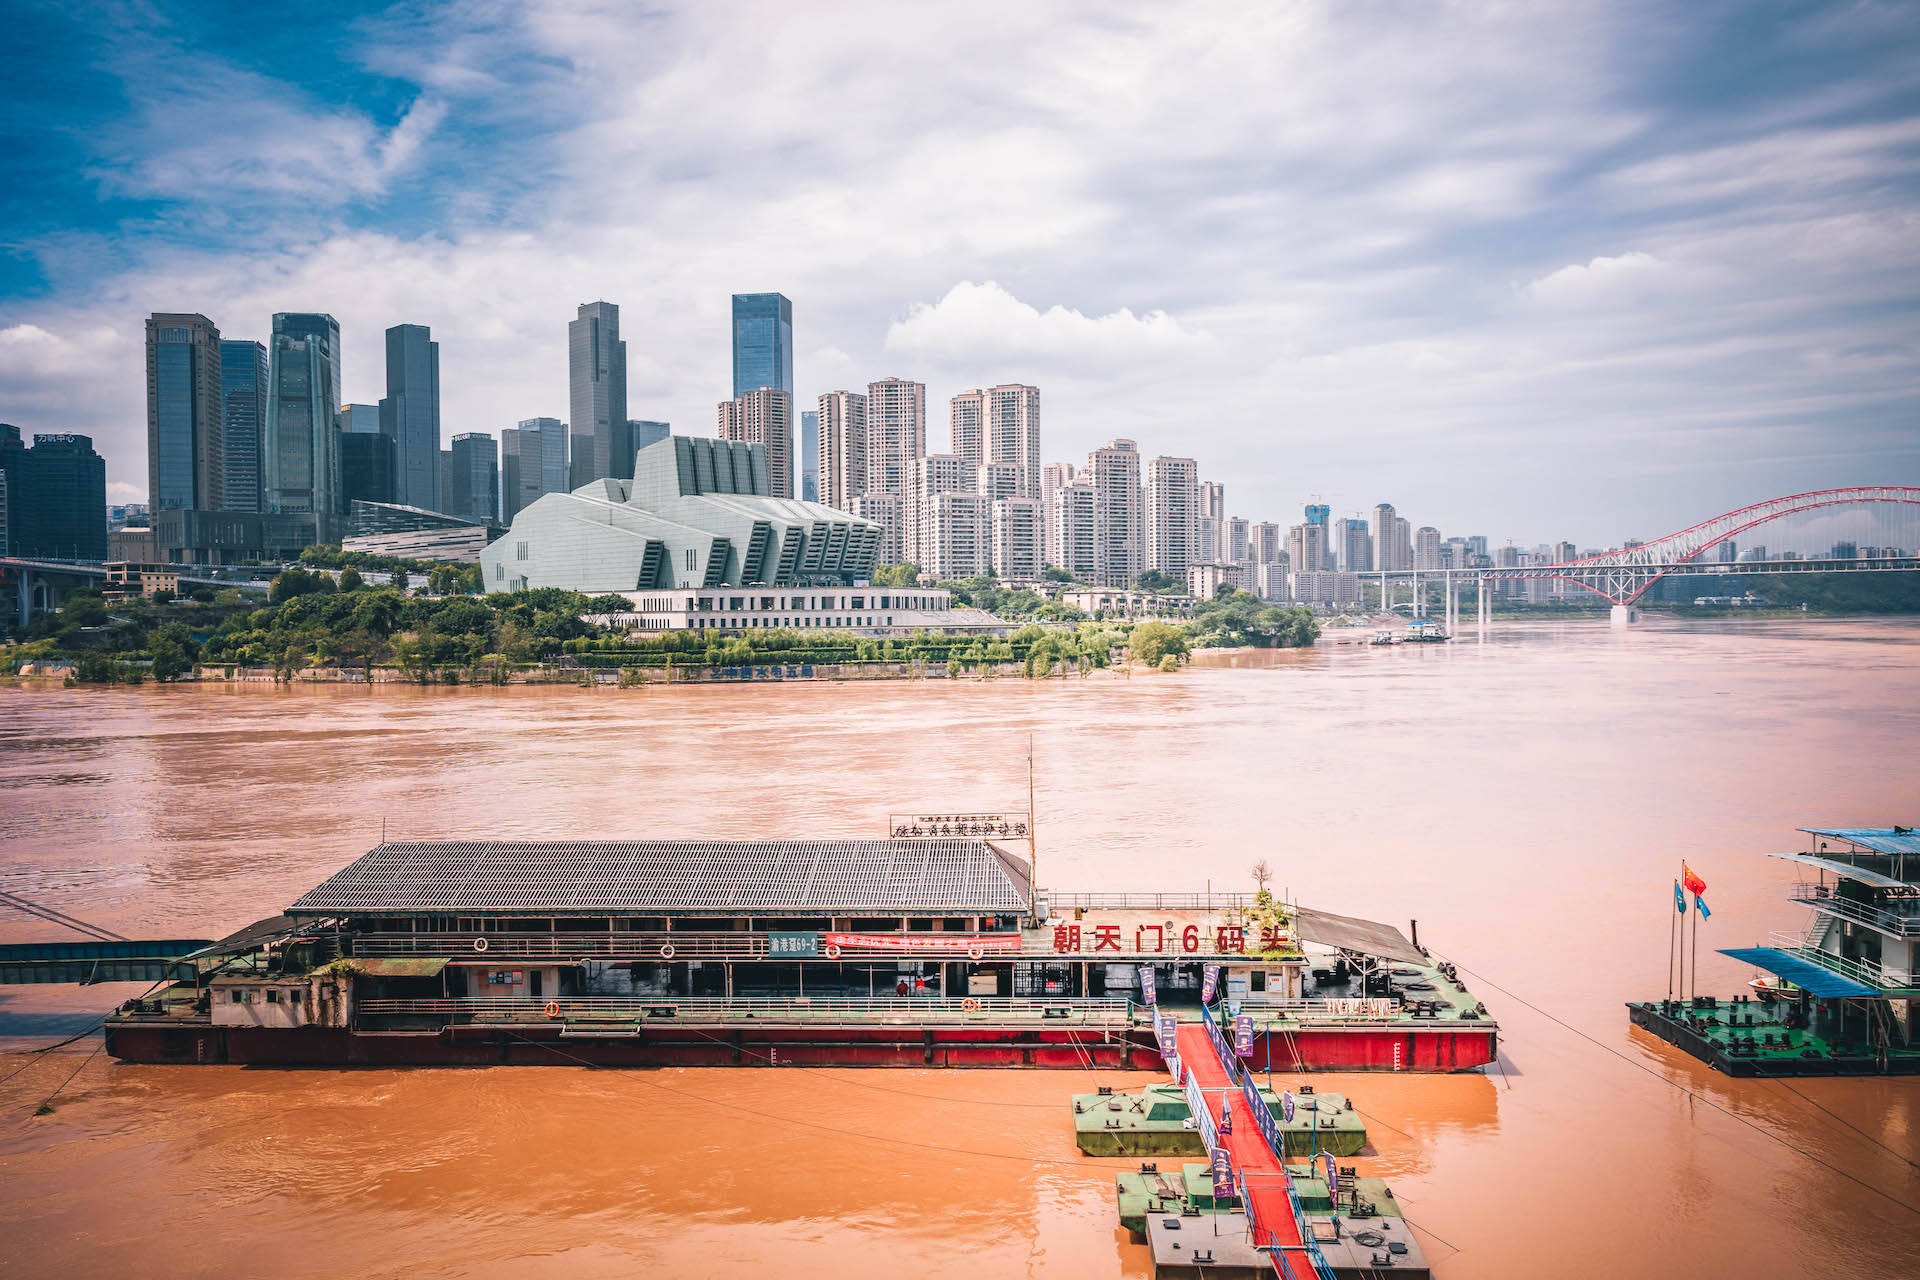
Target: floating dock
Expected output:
[1157,1121]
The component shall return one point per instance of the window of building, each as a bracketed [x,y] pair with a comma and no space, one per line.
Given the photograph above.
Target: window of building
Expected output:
[499,571]
[519,551]
[239,997]
[689,557]
[273,995]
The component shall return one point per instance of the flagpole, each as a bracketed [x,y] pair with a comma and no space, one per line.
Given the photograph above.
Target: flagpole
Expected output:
[1672,944]
[1680,950]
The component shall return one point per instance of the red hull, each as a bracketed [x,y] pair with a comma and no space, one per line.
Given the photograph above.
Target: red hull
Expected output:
[1329,1049]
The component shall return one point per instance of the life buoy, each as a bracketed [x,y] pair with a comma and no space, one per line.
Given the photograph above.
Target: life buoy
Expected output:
[970,1005]
[479,944]
[553,1008]
[976,953]
[666,951]
[833,951]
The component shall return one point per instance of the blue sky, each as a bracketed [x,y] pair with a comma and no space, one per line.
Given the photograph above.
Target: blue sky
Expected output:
[1579,270]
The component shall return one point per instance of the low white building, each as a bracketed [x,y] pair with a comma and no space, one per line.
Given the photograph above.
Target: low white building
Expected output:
[876,612]
[1326,588]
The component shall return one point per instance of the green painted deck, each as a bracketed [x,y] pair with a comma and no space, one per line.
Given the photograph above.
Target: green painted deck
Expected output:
[1190,1187]
[1751,1037]
[1154,1122]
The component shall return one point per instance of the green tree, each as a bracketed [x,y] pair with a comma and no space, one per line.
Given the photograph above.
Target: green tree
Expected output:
[905,574]
[1153,642]
[350,579]
[292,583]
[610,603]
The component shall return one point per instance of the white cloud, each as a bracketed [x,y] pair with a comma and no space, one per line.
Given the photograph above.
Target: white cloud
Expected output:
[1601,279]
[983,323]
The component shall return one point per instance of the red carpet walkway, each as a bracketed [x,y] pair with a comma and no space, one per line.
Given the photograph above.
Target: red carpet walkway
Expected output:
[1259,1168]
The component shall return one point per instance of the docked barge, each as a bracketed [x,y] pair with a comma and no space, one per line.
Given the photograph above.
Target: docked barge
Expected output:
[1847,986]
[918,951]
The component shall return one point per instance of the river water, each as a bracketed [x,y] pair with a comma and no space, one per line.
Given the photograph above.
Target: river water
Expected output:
[1527,798]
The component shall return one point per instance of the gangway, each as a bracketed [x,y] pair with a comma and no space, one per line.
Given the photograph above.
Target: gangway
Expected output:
[1259,1165]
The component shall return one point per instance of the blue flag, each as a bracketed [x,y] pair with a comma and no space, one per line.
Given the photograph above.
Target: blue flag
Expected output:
[1679,899]
[1701,903]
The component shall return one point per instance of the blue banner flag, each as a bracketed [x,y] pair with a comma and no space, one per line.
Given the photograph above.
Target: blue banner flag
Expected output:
[1286,1107]
[1701,903]
[1146,985]
[1679,899]
[1243,1036]
[1226,1114]
[1222,1175]
[1209,981]
[1333,1176]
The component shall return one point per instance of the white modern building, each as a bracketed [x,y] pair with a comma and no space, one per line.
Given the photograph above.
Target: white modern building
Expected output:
[1119,515]
[1173,516]
[763,416]
[843,448]
[862,611]
[1019,538]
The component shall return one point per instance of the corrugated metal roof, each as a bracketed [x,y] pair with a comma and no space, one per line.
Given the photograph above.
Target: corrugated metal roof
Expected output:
[1875,878]
[1890,841]
[641,877]
[401,966]
[1821,983]
[1369,937]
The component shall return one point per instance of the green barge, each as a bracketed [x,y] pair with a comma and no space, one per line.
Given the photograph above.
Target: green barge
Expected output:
[1156,1121]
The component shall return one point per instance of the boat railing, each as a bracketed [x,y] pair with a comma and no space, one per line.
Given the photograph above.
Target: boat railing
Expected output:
[714,945]
[1865,971]
[1148,901]
[1903,924]
[471,1009]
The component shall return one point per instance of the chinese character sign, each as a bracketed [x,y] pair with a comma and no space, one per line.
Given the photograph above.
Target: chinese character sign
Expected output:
[1209,982]
[1243,1036]
[793,944]
[925,826]
[1147,993]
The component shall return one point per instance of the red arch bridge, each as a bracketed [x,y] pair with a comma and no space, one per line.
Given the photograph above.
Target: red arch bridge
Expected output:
[1622,577]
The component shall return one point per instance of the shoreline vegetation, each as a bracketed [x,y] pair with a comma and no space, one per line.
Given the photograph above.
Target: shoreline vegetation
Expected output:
[359,629]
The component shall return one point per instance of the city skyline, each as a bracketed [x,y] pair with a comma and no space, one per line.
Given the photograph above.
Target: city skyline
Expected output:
[1683,278]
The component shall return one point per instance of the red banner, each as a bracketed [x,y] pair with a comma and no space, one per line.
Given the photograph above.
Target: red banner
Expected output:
[923,941]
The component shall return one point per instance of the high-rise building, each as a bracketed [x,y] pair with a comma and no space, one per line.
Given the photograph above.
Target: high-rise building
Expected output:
[1267,543]
[597,395]
[1317,513]
[303,401]
[243,416]
[1054,477]
[1392,540]
[1013,432]
[1019,538]
[476,478]
[185,458]
[810,455]
[884,509]
[762,345]
[368,472]
[533,462]
[1426,548]
[358,419]
[1073,531]
[896,435]
[1173,516]
[53,497]
[936,474]
[1213,522]
[763,416]
[1239,540]
[1307,548]
[1352,546]
[967,426]
[410,413]
[1119,516]
[1567,553]
[642,432]
[998,480]
[843,449]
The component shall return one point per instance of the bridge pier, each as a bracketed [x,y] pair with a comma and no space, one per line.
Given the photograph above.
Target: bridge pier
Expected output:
[1624,615]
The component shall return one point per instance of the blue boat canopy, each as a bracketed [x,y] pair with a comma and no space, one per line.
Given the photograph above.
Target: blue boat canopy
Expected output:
[1878,879]
[1810,977]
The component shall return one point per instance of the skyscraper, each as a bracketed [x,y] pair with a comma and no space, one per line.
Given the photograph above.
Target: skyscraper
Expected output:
[367,470]
[476,477]
[843,448]
[967,426]
[359,419]
[1073,531]
[243,416]
[55,497]
[1173,516]
[1352,545]
[1113,470]
[810,455]
[1013,432]
[896,435]
[642,432]
[410,413]
[1392,540]
[303,399]
[1213,521]
[184,457]
[1054,476]
[763,416]
[597,394]
[1317,513]
[1426,548]
[949,522]
[533,462]
[762,343]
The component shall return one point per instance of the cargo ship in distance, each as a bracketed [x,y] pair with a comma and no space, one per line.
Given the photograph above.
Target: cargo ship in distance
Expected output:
[928,950]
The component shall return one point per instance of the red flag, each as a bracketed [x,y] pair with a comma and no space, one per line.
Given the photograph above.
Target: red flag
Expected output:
[1695,885]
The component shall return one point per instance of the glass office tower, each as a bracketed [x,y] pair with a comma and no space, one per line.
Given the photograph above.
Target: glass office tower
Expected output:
[762,343]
